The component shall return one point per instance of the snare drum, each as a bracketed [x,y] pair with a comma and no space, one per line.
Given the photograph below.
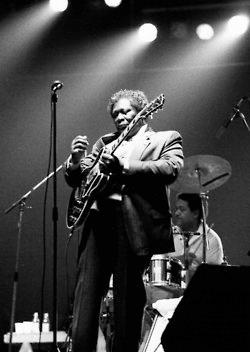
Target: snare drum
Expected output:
[165,271]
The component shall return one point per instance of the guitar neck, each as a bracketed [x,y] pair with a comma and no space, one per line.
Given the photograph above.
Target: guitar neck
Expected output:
[153,106]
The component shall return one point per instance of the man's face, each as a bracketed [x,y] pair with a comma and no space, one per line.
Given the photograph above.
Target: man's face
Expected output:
[122,114]
[184,217]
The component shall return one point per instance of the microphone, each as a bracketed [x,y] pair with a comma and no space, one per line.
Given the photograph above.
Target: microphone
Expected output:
[236,113]
[237,106]
[56,86]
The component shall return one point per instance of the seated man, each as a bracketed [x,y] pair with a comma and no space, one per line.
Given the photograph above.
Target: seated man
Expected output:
[189,245]
[188,235]
[184,261]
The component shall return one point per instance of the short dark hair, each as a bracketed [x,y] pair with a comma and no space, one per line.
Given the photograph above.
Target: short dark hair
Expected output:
[137,99]
[193,200]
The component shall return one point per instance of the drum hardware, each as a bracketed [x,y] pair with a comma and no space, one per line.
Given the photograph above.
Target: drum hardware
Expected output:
[204,206]
[201,174]
[225,261]
[160,315]
[107,319]
[153,339]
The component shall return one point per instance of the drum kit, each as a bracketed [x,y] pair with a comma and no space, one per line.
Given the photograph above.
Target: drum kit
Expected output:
[200,174]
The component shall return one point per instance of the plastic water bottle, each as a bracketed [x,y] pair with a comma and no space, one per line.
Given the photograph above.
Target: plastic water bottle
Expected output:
[46,323]
[36,322]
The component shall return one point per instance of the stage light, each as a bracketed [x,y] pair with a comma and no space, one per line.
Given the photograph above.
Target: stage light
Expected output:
[237,25]
[205,31]
[113,3]
[147,32]
[58,5]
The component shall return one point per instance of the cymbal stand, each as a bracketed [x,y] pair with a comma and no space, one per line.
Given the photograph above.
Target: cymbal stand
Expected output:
[204,198]
[186,237]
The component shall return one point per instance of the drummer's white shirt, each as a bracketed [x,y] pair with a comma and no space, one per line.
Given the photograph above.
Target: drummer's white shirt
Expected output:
[214,250]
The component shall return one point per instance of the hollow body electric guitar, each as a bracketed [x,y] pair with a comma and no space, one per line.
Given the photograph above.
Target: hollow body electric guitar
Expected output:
[83,197]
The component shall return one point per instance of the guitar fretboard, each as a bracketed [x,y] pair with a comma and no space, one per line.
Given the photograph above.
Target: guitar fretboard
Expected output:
[124,133]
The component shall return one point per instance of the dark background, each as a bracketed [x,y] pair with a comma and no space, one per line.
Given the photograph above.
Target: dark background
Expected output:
[84,48]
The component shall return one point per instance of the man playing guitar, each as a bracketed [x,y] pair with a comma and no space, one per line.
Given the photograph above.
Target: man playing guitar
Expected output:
[120,198]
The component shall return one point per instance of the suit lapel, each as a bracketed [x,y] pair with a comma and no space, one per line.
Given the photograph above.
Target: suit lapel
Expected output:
[141,144]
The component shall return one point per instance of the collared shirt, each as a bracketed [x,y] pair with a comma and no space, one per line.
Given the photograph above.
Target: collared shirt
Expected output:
[194,250]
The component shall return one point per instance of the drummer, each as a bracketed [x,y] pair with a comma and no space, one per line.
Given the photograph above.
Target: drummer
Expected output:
[188,235]
[188,241]
[189,252]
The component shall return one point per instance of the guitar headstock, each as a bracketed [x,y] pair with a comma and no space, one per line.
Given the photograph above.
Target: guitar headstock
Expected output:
[154,106]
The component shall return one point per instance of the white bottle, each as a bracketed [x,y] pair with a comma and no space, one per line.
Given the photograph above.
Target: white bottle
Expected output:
[36,322]
[46,323]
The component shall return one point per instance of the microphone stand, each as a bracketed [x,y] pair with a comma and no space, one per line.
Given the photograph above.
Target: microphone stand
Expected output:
[242,116]
[54,98]
[239,114]
[55,86]
[21,203]
[15,279]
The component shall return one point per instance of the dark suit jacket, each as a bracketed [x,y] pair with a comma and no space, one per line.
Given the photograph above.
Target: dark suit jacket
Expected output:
[154,164]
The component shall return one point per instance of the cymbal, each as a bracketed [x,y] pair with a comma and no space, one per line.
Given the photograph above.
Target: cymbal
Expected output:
[202,173]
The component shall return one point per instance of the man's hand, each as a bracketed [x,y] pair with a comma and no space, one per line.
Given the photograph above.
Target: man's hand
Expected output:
[109,163]
[78,148]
